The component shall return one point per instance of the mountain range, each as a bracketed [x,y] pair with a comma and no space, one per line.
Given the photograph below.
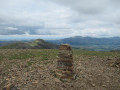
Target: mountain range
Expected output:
[78,40]
[90,43]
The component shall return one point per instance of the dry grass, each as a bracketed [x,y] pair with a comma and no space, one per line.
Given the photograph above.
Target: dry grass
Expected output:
[34,70]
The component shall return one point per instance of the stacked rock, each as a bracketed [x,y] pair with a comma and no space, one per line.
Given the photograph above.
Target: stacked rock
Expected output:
[65,62]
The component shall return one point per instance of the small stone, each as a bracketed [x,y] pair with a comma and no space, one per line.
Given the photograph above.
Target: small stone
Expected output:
[25,89]
[104,85]
[35,82]
[107,81]
[10,87]
[57,80]
[93,85]
[90,75]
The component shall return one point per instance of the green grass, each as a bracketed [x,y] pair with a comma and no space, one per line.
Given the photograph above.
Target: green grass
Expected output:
[97,47]
[45,54]
[1,58]
[29,63]
[94,53]
[21,56]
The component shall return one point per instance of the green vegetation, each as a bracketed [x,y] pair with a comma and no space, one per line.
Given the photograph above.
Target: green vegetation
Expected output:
[45,54]
[1,58]
[37,44]
[29,63]
[97,47]
[20,54]
[94,53]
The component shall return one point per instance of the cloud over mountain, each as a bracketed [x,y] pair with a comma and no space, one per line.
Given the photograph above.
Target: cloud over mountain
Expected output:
[96,18]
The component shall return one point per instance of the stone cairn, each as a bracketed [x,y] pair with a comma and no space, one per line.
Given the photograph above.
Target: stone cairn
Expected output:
[65,63]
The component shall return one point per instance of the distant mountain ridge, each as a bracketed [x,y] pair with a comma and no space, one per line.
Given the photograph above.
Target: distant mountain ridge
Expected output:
[90,43]
[36,44]
[78,40]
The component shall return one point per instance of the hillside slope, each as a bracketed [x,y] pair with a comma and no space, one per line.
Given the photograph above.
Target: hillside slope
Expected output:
[37,44]
[78,40]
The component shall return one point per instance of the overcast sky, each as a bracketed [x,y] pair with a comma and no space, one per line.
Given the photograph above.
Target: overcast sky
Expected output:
[59,18]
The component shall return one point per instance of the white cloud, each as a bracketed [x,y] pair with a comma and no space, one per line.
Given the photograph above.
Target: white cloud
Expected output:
[11,28]
[97,18]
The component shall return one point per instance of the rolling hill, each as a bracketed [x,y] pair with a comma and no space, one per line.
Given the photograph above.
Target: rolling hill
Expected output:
[36,44]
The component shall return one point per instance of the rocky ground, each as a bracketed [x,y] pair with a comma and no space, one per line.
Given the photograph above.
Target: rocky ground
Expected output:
[37,71]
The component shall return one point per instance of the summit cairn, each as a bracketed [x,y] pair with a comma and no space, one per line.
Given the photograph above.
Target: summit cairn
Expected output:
[65,63]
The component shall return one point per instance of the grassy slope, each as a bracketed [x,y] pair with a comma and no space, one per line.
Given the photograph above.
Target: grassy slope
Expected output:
[37,44]
[21,54]
[29,53]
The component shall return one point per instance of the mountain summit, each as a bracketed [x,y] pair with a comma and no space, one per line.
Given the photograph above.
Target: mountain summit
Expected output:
[37,44]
